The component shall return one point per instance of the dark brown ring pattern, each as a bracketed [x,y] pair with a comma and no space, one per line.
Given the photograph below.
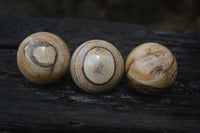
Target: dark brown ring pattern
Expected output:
[84,62]
[32,45]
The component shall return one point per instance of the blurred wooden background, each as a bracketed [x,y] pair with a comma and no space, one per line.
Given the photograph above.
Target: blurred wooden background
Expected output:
[161,14]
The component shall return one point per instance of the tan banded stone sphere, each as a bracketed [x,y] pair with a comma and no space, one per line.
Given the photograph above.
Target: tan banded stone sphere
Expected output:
[96,66]
[151,68]
[43,58]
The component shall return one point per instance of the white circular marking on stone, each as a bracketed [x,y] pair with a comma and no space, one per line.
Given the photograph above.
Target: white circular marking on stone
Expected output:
[45,55]
[99,65]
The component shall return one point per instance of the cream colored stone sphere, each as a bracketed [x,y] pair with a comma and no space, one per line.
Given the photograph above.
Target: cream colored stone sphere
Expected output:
[96,66]
[43,58]
[151,68]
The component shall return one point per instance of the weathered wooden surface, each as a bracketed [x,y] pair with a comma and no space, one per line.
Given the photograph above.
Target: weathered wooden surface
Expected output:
[28,107]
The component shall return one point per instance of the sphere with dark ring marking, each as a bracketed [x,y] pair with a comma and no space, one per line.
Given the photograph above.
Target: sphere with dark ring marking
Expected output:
[43,58]
[96,66]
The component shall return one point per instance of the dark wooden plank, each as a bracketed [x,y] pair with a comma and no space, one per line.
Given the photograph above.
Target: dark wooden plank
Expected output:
[28,107]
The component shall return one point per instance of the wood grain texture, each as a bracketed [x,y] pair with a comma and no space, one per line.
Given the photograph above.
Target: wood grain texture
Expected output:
[27,107]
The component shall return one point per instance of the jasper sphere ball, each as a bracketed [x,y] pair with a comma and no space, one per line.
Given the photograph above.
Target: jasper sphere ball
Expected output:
[43,57]
[96,66]
[151,68]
